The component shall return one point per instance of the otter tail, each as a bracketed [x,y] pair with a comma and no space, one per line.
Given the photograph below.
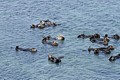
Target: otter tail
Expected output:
[60,57]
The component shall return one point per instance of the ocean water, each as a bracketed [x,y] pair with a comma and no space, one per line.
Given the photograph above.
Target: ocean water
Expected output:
[76,17]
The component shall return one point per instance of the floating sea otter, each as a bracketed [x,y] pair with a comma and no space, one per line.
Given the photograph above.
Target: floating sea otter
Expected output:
[26,49]
[113,58]
[53,43]
[54,59]
[116,37]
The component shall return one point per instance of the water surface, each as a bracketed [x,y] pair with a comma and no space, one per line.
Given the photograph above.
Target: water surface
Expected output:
[75,17]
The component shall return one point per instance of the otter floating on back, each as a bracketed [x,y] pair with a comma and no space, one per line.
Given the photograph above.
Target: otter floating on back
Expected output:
[53,43]
[113,58]
[26,49]
[54,59]
[116,37]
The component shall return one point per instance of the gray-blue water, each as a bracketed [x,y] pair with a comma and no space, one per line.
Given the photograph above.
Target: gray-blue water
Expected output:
[75,17]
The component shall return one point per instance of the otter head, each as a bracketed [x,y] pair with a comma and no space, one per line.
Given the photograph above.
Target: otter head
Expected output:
[116,36]
[96,35]
[48,37]
[89,49]
[106,35]
[33,26]
[60,37]
[49,56]
[54,43]
[96,51]
[33,50]
[17,47]
[81,36]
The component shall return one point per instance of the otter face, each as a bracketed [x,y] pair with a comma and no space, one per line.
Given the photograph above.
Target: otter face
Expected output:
[96,35]
[17,48]
[49,57]
[43,22]
[96,51]
[32,26]
[48,37]
[60,37]
[33,50]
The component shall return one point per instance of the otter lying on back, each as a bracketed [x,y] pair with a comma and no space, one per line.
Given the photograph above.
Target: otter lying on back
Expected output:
[116,36]
[113,58]
[53,43]
[26,49]
[54,59]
